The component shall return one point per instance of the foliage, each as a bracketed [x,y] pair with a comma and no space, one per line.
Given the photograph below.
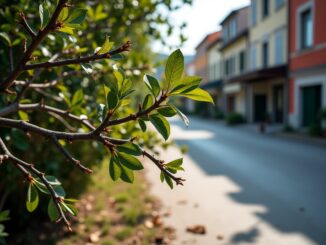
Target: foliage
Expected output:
[234,119]
[4,216]
[85,97]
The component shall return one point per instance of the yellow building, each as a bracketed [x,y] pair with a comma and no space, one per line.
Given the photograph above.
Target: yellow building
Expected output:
[267,76]
[234,52]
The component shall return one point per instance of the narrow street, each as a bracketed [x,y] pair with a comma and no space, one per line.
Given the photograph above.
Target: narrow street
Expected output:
[245,188]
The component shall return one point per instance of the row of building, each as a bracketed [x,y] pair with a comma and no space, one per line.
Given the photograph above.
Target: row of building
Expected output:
[267,62]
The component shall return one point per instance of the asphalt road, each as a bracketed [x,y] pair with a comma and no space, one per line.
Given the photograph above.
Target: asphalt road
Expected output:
[285,180]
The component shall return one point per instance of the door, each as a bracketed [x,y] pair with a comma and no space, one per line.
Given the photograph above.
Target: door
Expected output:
[278,103]
[260,107]
[231,103]
[311,104]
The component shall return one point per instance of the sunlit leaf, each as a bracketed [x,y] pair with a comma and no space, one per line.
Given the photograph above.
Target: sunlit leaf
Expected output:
[23,115]
[148,101]
[168,180]
[174,67]
[199,95]
[101,112]
[129,161]
[106,47]
[32,198]
[112,100]
[127,175]
[152,84]
[142,125]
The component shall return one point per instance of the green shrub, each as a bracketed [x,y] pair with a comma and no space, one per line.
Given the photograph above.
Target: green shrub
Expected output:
[124,233]
[315,129]
[288,128]
[234,119]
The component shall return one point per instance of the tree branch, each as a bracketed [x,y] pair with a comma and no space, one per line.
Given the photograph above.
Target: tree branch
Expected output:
[25,24]
[27,168]
[51,26]
[87,59]
[70,157]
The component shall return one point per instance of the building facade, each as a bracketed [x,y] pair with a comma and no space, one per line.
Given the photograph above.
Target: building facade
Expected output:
[266,80]
[307,61]
[234,55]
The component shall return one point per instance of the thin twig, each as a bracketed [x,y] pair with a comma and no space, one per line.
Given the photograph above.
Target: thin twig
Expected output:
[87,59]
[70,157]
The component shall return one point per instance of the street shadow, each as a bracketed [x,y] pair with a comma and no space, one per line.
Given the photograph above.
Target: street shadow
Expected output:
[249,236]
[270,173]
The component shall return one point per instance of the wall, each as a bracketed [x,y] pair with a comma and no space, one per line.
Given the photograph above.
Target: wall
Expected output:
[265,29]
[214,62]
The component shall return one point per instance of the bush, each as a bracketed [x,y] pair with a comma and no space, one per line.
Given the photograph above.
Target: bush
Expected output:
[234,119]
[315,129]
[219,114]
[288,128]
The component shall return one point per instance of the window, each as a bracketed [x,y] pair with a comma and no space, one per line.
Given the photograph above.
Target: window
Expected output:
[226,67]
[306,29]
[253,12]
[242,61]
[253,56]
[265,54]
[279,47]
[265,8]
[233,28]
[279,3]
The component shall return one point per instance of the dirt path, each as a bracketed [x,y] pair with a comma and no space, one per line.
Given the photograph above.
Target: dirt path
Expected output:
[205,200]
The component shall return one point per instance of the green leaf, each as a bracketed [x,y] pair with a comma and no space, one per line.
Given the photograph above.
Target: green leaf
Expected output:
[23,115]
[106,47]
[69,208]
[130,148]
[142,125]
[71,200]
[4,215]
[199,95]
[161,124]
[148,101]
[167,111]
[168,180]
[44,15]
[52,180]
[77,98]
[186,84]
[67,29]
[88,68]
[117,57]
[174,67]
[162,176]
[127,175]
[6,38]
[112,100]
[63,14]
[59,190]
[120,77]
[152,84]
[114,169]
[53,211]
[41,187]
[129,161]
[175,164]
[183,117]
[32,198]
[101,112]
[77,16]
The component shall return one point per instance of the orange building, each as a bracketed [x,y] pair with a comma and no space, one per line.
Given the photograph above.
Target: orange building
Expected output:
[307,62]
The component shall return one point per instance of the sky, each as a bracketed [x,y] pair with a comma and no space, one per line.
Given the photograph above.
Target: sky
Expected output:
[202,17]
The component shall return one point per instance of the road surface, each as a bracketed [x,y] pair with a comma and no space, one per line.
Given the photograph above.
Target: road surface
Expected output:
[245,188]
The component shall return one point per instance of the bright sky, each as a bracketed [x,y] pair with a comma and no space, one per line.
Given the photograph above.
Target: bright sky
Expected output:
[202,18]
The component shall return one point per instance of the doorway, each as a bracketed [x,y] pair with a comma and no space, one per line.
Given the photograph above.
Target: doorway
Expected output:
[311,104]
[278,103]
[260,107]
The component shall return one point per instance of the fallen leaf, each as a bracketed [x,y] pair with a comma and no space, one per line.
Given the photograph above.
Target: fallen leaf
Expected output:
[196,229]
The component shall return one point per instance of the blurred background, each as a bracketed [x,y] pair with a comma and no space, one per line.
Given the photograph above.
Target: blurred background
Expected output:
[255,161]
